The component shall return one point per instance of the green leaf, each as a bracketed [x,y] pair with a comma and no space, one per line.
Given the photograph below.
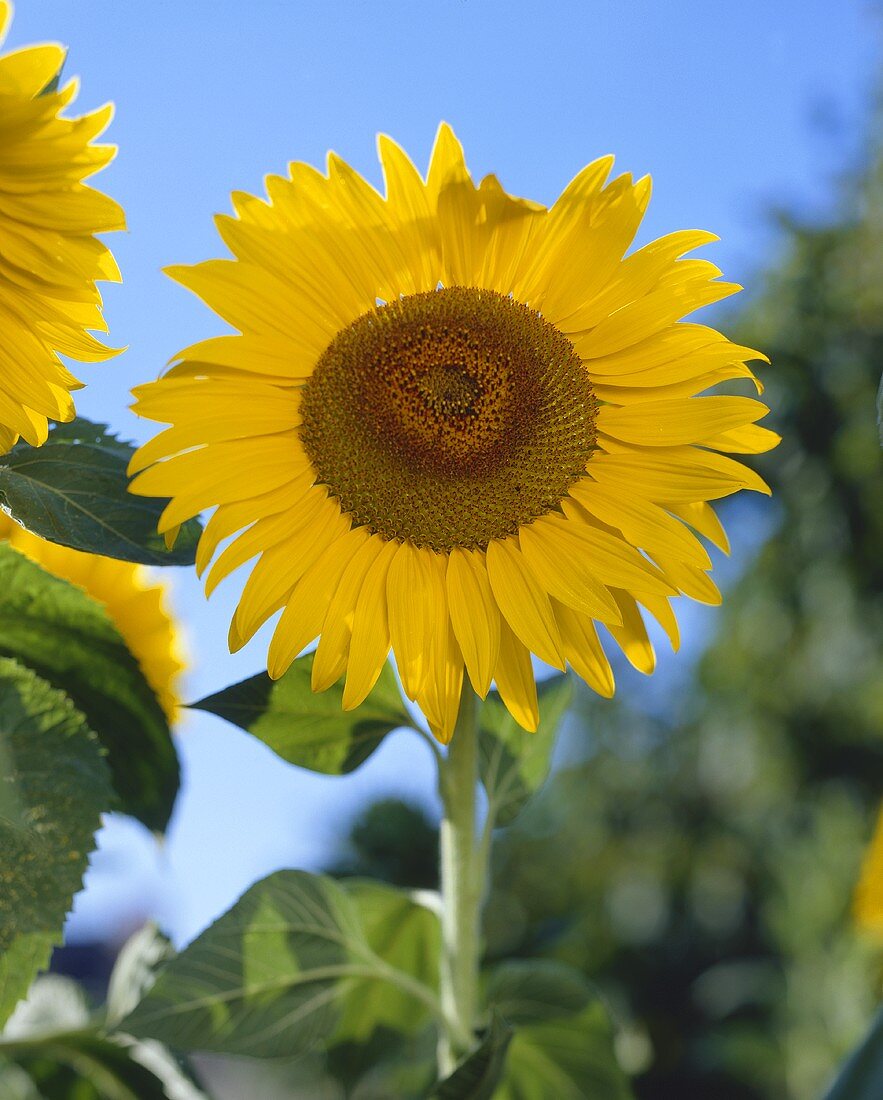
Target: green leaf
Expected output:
[27,954]
[513,763]
[563,1043]
[82,1066]
[389,1064]
[569,1058]
[407,936]
[74,491]
[529,990]
[54,628]
[309,729]
[271,977]
[861,1077]
[478,1075]
[55,785]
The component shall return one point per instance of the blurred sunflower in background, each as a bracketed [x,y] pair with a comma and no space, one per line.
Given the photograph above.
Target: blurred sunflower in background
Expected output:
[453,423]
[49,257]
[867,904]
[135,602]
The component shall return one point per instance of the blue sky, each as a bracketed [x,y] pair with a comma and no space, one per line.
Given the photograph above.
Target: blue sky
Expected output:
[733,109]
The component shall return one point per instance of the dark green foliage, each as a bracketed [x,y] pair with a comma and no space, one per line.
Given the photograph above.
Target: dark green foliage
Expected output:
[477,1076]
[54,628]
[75,1066]
[53,786]
[309,729]
[862,1076]
[73,490]
[393,842]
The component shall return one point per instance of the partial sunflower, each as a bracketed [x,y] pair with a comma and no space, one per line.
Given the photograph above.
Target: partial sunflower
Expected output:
[867,902]
[134,601]
[49,258]
[453,423]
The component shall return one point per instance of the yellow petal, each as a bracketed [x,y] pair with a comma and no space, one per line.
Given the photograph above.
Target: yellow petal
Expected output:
[583,649]
[643,523]
[475,616]
[703,518]
[671,423]
[566,572]
[632,635]
[522,601]
[515,680]
[415,599]
[333,649]
[369,637]
[301,621]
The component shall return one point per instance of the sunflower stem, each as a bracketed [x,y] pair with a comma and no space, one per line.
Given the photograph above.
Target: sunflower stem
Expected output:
[463,884]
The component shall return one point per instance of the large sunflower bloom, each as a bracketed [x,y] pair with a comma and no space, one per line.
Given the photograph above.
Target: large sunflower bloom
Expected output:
[135,603]
[453,423]
[49,258]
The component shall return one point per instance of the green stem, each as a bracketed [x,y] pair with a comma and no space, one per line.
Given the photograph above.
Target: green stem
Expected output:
[463,875]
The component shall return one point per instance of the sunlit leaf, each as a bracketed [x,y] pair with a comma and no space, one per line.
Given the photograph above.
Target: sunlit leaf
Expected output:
[74,491]
[308,728]
[55,784]
[407,936]
[54,628]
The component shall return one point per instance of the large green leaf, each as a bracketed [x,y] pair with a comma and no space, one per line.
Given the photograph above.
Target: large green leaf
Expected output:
[309,729]
[74,490]
[55,785]
[861,1077]
[271,977]
[54,628]
[478,1075]
[513,763]
[563,1042]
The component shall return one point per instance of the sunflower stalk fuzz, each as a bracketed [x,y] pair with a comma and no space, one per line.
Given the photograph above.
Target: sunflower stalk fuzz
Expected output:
[463,867]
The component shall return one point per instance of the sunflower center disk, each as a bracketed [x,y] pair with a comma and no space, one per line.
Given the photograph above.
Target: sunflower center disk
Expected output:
[449,418]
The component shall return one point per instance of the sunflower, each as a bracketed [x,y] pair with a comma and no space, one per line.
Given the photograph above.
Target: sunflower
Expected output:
[454,424]
[49,258]
[867,902]
[135,603]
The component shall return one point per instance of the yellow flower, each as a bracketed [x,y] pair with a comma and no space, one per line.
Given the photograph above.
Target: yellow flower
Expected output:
[867,904]
[135,603]
[49,258]
[455,424]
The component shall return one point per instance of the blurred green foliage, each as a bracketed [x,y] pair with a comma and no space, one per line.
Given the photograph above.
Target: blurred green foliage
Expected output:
[696,857]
